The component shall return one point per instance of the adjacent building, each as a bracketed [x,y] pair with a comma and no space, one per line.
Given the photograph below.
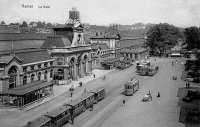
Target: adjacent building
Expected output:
[133,48]
[100,53]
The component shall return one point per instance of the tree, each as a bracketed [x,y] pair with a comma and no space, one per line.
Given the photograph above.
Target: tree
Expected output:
[162,37]
[49,25]
[192,37]
[24,24]
[14,24]
[3,23]
[40,24]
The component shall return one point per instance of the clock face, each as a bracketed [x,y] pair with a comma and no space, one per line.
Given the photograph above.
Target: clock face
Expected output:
[59,61]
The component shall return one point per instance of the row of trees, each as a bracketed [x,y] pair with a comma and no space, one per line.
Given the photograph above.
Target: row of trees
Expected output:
[192,35]
[38,24]
[162,37]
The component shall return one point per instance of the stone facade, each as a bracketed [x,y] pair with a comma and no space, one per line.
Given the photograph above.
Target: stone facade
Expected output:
[14,72]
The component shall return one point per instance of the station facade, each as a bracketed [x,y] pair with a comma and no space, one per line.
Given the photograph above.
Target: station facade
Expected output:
[71,53]
[25,77]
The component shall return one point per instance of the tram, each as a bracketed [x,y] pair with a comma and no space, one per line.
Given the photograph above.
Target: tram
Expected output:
[131,87]
[65,113]
[41,121]
[152,70]
[59,116]
[80,104]
[99,94]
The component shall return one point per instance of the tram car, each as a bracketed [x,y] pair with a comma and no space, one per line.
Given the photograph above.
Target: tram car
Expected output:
[80,104]
[131,87]
[152,70]
[65,113]
[41,121]
[59,116]
[99,93]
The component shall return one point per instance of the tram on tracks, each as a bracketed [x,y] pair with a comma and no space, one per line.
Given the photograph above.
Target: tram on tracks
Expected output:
[66,113]
[99,93]
[131,87]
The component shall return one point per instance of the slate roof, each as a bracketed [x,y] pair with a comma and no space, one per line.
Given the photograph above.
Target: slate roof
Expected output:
[102,46]
[36,55]
[22,36]
[58,41]
[131,42]
[23,89]
[20,44]
[6,59]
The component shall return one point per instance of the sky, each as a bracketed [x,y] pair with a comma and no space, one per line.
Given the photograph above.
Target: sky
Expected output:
[181,13]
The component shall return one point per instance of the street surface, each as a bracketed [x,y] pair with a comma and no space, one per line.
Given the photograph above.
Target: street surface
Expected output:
[160,112]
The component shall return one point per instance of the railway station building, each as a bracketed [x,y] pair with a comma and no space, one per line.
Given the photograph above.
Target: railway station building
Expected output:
[25,77]
[67,47]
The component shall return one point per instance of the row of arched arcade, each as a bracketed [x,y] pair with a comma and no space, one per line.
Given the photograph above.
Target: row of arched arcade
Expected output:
[72,68]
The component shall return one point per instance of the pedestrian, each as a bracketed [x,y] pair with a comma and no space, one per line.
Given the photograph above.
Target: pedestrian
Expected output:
[94,75]
[150,95]
[172,63]
[85,90]
[71,93]
[104,77]
[158,94]
[124,102]
[80,84]
[187,82]
[91,108]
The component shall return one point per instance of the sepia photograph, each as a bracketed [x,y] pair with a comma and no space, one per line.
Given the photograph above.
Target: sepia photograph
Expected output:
[99,63]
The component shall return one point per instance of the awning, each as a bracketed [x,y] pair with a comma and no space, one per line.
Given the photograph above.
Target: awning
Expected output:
[24,89]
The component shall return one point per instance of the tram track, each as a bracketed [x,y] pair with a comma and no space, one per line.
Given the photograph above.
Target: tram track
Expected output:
[112,94]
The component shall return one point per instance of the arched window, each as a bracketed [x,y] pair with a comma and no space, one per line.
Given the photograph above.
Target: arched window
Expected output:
[24,80]
[51,73]
[45,75]
[32,77]
[39,76]
[12,76]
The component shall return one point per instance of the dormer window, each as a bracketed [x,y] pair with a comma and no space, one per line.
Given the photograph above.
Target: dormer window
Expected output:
[51,63]
[45,64]
[32,67]
[24,69]
[39,65]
